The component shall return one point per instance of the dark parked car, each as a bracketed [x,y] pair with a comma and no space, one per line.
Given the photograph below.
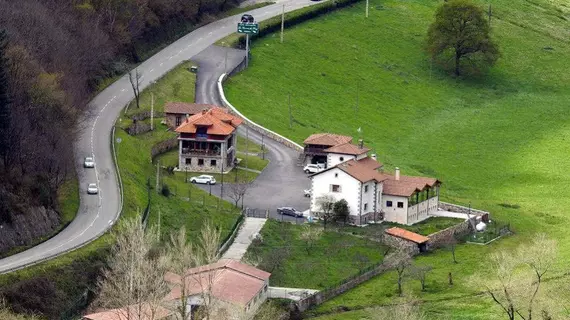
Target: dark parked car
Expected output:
[248,18]
[288,211]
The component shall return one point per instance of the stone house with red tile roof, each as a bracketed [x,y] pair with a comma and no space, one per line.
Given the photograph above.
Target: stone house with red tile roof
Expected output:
[207,141]
[372,195]
[176,112]
[332,149]
[238,288]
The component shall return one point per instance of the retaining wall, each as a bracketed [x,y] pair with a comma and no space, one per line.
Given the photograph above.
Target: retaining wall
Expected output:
[441,238]
[461,209]
[252,125]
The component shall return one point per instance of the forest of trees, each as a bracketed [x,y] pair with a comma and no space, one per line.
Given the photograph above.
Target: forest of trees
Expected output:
[53,56]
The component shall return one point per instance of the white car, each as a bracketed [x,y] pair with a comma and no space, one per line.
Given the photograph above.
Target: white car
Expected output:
[312,168]
[92,188]
[307,192]
[206,179]
[89,162]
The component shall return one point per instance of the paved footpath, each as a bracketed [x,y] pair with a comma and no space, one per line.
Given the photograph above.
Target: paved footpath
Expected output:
[294,294]
[246,234]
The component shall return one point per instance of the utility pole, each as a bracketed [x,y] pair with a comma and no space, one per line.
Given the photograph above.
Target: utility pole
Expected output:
[157,174]
[158,233]
[151,110]
[246,49]
[366,8]
[290,115]
[283,22]
[246,146]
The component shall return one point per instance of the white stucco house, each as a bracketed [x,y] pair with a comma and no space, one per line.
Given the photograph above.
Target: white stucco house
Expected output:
[371,194]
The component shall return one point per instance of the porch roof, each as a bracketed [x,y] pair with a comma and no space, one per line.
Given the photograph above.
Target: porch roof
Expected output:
[407,185]
[347,148]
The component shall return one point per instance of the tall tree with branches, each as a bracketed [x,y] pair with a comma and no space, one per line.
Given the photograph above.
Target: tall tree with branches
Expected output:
[325,204]
[135,80]
[461,34]
[519,276]
[133,284]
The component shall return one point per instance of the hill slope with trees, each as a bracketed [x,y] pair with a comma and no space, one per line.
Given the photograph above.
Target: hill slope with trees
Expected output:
[54,55]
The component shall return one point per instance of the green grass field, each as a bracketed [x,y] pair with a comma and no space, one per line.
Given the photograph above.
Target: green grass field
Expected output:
[426,227]
[331,259]
[498,142]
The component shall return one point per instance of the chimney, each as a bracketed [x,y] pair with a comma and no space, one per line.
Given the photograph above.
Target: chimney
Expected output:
[397,174]
[373,156]
[360,143]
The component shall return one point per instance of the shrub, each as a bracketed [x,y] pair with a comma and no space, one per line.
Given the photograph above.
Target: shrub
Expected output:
[165,190]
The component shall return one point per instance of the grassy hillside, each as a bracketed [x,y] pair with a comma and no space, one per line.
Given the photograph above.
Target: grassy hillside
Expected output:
[498,141]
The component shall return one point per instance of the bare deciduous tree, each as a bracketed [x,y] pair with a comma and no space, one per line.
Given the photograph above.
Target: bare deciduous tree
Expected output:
[451,244]
[135,81]
[400,261]
[325,203]
[180,258]
[420,273]
[519,277]
[238,191]
[133,284]
[310,235]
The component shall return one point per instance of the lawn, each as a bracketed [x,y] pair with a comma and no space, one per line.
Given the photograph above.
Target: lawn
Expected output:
[426,227]
[493,140]
[293,263]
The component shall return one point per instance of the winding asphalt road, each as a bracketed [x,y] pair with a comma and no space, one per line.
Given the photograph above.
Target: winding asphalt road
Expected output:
[97,213]
[282,182]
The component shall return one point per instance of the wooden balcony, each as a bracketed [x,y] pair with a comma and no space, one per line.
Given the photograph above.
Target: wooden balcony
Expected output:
[315,151]
[201,152]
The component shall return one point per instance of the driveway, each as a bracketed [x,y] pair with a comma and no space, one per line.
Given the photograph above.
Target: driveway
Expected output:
[282,182]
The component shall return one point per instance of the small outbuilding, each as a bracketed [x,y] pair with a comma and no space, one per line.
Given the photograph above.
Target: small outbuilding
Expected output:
[402,237]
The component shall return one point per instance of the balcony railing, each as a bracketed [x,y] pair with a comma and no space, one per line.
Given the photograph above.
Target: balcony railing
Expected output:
[201,136]
[314,151]
[201,152]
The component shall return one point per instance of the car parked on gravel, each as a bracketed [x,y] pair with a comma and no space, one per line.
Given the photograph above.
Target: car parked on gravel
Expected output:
[290,211]
[204,179]
[312,168]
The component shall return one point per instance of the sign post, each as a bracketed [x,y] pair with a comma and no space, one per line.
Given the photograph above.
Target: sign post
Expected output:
[247,26]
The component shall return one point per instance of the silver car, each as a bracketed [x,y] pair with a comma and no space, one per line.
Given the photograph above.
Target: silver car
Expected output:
[205,179]
[89,162]
[92,188]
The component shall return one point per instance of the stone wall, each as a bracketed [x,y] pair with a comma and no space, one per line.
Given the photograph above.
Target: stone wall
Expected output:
[400,244]
[461,209]
[163,147]
[252,125]
[440,238]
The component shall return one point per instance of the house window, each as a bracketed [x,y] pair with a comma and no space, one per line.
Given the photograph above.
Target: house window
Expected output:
[336,175]
[188,161]
[335,188]
[200,162]
[389,204]
[341,158]
[365,188]
[400,204]
[178,120]
[213,163]
[365,206]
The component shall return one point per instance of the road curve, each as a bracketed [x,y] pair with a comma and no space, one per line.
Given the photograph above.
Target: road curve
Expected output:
[97,213]
[282,182]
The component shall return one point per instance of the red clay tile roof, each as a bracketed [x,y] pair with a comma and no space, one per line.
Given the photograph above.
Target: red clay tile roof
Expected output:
[370,163]
[327,139]
[131,313]
[347,148]
[186,108]
[217,120]
[407,235]
[407,185]
[229,280]
[360,171]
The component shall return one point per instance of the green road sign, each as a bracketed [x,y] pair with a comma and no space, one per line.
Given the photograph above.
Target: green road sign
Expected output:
[249,28]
